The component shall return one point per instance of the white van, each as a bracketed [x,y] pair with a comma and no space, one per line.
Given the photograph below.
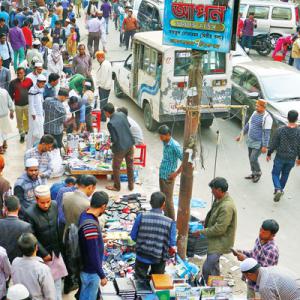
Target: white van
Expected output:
[276,17]
[155,77]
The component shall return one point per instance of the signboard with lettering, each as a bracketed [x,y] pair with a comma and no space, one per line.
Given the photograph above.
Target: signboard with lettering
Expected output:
[198,24]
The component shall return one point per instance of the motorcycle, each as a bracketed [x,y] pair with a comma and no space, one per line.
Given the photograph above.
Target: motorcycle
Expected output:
[261,43]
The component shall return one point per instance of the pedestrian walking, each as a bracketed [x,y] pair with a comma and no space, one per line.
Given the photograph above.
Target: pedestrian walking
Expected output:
[43,216]
[296,51]
[55,61]
[92,247]
[106,9]
[220,227]
[116,5]
[34,54]
[30,270]
[5,76]
[122,145]
[168,170]
[103,81]
[36,112]
[18,43]
[6,51]
[286,142]
[265,252]
[274,282]
[72,42]
[129,27]
[152,250]
[94,35]
[6,111]
[18,90]
[258,129]
[248,32]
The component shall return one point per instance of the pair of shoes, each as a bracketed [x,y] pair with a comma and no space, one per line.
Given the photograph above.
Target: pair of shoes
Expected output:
[251,176]
[22,139]
[277,195]
[256,178]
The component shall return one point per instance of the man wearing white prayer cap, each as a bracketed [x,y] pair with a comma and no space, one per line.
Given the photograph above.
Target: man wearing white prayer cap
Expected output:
[35,110]
[43,217]
[34,55]
[26,183]
[274,282]
[37,70]
[18,292]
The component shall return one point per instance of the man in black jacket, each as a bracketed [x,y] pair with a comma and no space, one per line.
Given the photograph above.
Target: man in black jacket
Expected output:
[122,145]
[12,228]
[43,216]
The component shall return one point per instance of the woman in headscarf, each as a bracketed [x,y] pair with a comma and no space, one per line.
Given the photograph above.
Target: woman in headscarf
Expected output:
[55,61]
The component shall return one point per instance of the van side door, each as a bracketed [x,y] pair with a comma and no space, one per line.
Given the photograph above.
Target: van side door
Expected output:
[282,19]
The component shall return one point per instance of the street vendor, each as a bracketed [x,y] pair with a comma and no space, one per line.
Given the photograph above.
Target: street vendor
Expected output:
[155,237]
[82,111]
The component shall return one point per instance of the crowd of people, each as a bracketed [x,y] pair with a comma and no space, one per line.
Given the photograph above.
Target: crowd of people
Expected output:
[51,91]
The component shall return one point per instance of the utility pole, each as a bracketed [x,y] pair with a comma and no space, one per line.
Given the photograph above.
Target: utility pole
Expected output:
[191,125]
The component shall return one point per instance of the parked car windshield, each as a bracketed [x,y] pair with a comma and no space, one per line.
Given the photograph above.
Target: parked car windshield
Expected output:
[281,87]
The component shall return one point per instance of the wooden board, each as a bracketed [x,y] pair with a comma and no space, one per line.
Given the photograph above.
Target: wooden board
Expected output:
[94,172]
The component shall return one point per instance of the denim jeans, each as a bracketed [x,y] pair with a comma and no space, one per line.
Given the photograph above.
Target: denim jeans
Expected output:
[247,41]
[281,171]
[89,286]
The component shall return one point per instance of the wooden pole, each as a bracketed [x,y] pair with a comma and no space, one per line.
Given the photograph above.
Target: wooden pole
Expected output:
[192,119]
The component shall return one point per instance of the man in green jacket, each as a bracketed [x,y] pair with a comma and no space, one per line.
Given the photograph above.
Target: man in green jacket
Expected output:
[220,227]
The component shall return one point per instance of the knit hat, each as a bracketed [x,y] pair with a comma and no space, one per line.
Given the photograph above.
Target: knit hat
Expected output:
[42,191]
[31,162]
[261,102]
[17,292]
[100,54]
[249,265]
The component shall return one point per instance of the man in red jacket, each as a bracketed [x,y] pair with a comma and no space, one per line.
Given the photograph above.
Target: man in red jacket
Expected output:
[27,34]
[18,90]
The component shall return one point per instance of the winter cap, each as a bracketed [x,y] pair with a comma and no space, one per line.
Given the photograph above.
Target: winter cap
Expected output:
[261,102]
[17,292]
[31,162]
[41,77]
[249,265]
[42,191]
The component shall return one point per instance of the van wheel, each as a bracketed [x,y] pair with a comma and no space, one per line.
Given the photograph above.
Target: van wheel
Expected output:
[206,123]
[117,89]
[274,37]
[150,123]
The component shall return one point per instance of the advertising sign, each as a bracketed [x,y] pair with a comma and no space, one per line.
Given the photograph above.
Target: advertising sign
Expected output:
[199,24]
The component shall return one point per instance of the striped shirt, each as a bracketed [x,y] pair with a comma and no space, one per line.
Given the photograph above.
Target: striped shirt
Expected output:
[43,159]
[91,245]
[278,284]
[171,153]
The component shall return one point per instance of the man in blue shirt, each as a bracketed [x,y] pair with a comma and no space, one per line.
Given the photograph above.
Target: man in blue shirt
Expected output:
[168,168]
[50,90]
[4,15]
[55,188]
[155,237]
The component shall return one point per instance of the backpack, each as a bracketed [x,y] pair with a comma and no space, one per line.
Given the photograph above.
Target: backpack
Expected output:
[71,241]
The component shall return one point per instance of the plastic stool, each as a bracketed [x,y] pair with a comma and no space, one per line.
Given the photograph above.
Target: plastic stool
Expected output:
[96,119]
[141,160]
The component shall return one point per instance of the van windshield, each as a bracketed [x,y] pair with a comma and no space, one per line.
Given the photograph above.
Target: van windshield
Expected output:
[213,63]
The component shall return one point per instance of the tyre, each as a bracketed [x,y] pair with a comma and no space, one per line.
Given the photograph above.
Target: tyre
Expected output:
[273,39]
[149,122]
[117,89]
[206,123]
[263,47]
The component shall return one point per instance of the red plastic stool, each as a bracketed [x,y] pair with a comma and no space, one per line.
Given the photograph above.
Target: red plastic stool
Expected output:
[96,119]
[141,160]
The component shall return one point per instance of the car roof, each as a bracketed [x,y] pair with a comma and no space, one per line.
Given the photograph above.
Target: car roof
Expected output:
[153,39]
[269,68]
[267,3]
